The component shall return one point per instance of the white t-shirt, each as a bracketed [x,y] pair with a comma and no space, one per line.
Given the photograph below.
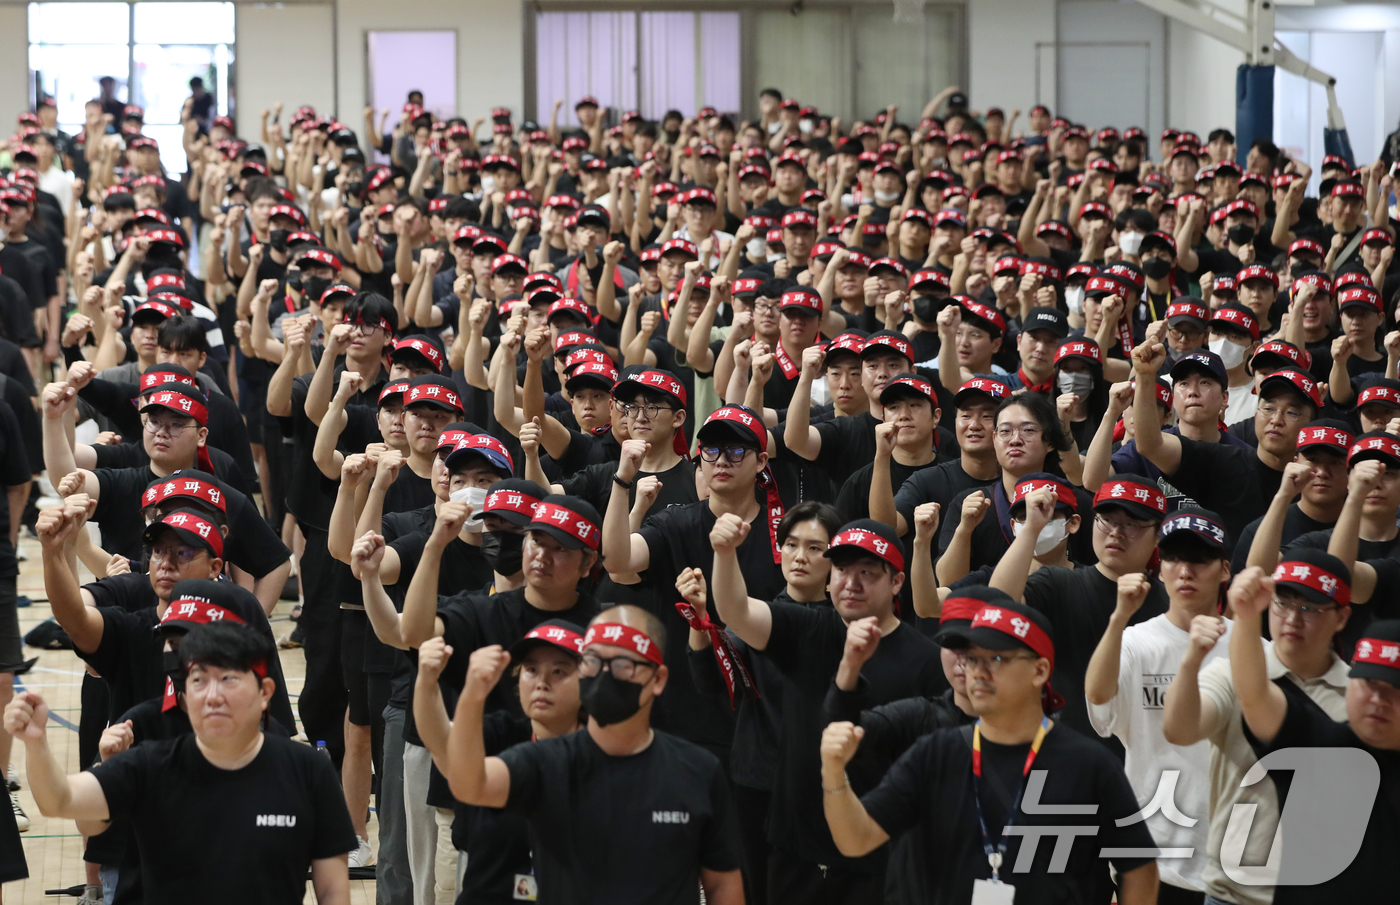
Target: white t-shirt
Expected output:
[1151,654]
[1243,403]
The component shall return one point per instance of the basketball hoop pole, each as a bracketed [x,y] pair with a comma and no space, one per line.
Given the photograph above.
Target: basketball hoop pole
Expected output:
[1253,34]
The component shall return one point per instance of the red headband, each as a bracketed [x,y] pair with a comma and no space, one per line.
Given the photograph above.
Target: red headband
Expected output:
[568,521]
[747,419]
[398,388]
[1325,436]
[870,542]
[1387,445]
[1011,623]
[1378,651]
[195,609]
[1371,394]
[617,635]
[157,379]
[432,392]
[185,487]
[1131,492]
[449,439]
[556,635]
[186,521]
[1315,577]
[1064,494]
[960,608]
[427,350]
[510,501]
[179,402]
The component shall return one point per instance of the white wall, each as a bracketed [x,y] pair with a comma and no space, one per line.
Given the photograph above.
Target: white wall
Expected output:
[1002,38]
[265,67]
[1200,81]
[14,64]
[490,38]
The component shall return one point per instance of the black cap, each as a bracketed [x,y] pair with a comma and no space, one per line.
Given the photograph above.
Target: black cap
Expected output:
[1201,361]
[557,633]
[420,393]
[867,537]
[1042,318]
[190,527]
[994,638]
[959,609]
[513,499]
[570,520]
[193,602]
[593,214]
[1377,653]
[1315,575]
[1192,525]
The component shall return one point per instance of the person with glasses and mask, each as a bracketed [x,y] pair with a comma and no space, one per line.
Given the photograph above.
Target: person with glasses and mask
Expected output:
[955,796]
[1128,511]
[1219,476]
[859,640]
[1308,607]
[1028,439]
[618,785]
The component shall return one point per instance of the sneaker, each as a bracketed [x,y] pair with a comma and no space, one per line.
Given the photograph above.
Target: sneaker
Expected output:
[12,777]
[92,895]
[21,555]
[363,856]
[21,818]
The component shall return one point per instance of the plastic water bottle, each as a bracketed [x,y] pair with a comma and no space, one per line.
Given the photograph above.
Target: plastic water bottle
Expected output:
[322,749]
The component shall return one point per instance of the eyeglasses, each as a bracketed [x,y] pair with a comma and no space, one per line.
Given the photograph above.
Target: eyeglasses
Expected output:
[765,307]
[1179,333]
[993,665]
[364,329]
[732,454]
[622,668]
[1307,611]
[652,412]
[1028,432]
[172,429]
[1271,411]
[1128,529]
[182,556]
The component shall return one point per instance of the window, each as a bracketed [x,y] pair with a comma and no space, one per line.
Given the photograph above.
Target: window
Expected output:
[152,50]
[848,59]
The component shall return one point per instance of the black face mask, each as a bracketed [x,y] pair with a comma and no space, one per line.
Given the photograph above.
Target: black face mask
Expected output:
[672,135]
[170,661]
[1241,233]
[1299,268]
[313,287]
[278,239]
[503,551]
[355,189]
[926,308]
[161,259]
[1156,268]
[609,700]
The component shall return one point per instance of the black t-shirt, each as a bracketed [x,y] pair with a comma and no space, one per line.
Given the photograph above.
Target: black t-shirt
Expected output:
[497,841]
[806,644]
[1373,869]
[1223,479]
[854,498]
[939,484]
[595,484]
[20,262]
[1078,603]
[588,449]
[1296,523]
[848,442]
[928,795]
[623,829]
[408,492]
[679,538]
[17,315]
[281,812]
[310,494]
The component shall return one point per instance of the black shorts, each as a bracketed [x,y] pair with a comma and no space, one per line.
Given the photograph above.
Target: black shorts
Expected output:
[353,625]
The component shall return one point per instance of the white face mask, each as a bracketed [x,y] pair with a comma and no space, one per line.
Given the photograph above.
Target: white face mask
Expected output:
[886,197]
[1074,298]
[1076,382]
[1050,537]
[757,249]
[806,125]
[1231,354]
[474,497]
[488,184]
[1130,243]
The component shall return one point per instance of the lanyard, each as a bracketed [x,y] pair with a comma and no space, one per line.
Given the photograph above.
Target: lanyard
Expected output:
[995,855]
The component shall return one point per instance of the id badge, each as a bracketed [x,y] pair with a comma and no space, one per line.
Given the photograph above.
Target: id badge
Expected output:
[985,892]
[525,888]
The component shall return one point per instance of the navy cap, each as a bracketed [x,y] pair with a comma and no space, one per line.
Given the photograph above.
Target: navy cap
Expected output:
[1201,361]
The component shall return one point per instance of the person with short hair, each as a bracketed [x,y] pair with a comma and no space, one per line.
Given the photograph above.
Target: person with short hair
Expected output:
[283,797]
[951,794]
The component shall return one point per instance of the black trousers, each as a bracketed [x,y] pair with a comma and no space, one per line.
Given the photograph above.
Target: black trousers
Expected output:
[795,879]
[1175,895]
[751,807]
[323,700]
